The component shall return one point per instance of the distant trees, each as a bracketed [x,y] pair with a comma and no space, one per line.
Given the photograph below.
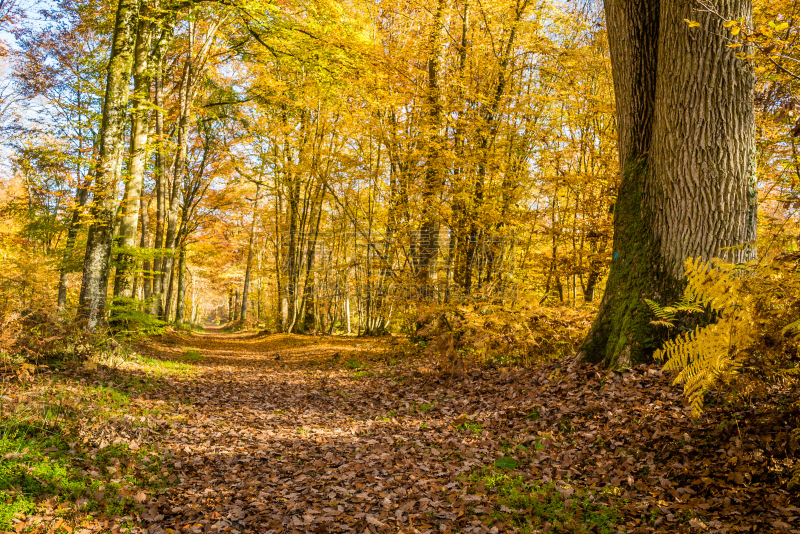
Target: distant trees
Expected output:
[309,170]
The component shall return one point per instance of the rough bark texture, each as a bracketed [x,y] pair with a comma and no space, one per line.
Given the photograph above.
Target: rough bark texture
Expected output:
[94,285]
[685,123]
[703,189]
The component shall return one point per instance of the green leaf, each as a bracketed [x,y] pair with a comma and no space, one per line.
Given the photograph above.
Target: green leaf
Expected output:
[506,463]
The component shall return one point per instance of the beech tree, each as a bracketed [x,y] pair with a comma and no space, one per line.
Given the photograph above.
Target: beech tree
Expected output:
[686,142]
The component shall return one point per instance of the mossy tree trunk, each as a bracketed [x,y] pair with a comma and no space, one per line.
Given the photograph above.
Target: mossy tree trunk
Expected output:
[686,140]
[96,265]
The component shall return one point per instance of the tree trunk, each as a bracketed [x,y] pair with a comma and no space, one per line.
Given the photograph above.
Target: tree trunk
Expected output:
[81,197]
[157,304]
[181,293]
[686,140]
[94,285]
[140,127]
[434,172]
[179,172]
[246,288]
[144,244]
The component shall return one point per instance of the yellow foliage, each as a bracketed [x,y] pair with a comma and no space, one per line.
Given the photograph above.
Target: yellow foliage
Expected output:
[748,348]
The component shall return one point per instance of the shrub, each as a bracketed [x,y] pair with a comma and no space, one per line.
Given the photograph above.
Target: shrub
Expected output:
[496,335]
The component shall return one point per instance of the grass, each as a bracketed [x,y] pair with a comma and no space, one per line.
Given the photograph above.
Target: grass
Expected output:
[192,355]
[363,374]
[529,505]
[471,427]
[168,366]
[42,473]
[424,407]
[52,470]
[388,416]
[353,364]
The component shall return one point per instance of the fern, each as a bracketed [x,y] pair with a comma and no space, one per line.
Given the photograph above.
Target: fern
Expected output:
[751,302]
[665,316]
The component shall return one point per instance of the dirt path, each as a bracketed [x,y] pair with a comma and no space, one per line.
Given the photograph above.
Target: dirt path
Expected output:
[301,434]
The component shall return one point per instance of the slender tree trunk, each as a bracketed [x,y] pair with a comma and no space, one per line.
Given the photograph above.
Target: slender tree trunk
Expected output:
[178,176]
[686,140]
[434,173]
[140,128]
[181,293]
[157,303]
[246,288]
[144,244]
[81,197]
[94,285]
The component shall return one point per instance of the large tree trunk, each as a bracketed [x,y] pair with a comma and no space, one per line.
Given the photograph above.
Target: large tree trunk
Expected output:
[140,127]
[94,285]
[686,127]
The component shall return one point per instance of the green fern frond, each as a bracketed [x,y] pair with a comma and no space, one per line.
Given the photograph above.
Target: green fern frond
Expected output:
[794,482]
[791,326]
[666,315]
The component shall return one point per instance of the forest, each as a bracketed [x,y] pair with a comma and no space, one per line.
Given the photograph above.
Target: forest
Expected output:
[467,266]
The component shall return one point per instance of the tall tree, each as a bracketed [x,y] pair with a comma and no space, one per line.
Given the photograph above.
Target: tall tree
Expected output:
[686,146]
[94,285]
[140,127]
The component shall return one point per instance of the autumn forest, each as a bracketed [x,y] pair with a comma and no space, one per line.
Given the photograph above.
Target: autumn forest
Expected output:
[364,266]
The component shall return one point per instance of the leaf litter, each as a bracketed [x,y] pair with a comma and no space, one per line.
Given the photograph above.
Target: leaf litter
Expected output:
[286,434]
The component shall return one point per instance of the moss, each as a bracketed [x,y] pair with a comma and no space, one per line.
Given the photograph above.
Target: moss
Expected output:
[622,334]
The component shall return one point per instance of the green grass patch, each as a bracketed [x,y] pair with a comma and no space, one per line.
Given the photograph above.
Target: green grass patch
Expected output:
[192,355]
[471,427]
[424,407]
[388,416]
[41,473]
[108,397]
[363,374]
[529,505]
[353,364]
[168,366]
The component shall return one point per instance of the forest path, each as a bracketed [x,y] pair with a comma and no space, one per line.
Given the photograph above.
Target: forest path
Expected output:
[286,433]
[290,433]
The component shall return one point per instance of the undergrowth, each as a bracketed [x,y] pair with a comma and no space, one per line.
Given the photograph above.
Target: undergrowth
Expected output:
[531,506]
[459,337]
[50,467]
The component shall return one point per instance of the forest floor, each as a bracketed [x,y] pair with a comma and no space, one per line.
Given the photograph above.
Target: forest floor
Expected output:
[219,432]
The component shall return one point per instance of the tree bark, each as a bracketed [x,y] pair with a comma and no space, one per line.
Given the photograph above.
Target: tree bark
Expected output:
[140,128]
[434,173]
[94,285]
[157,303]
[246,288]
[686,138]
[144,244]
[81,197]
[181,292]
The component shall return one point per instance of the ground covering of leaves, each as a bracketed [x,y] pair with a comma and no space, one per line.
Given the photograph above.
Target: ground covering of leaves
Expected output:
[321,434]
